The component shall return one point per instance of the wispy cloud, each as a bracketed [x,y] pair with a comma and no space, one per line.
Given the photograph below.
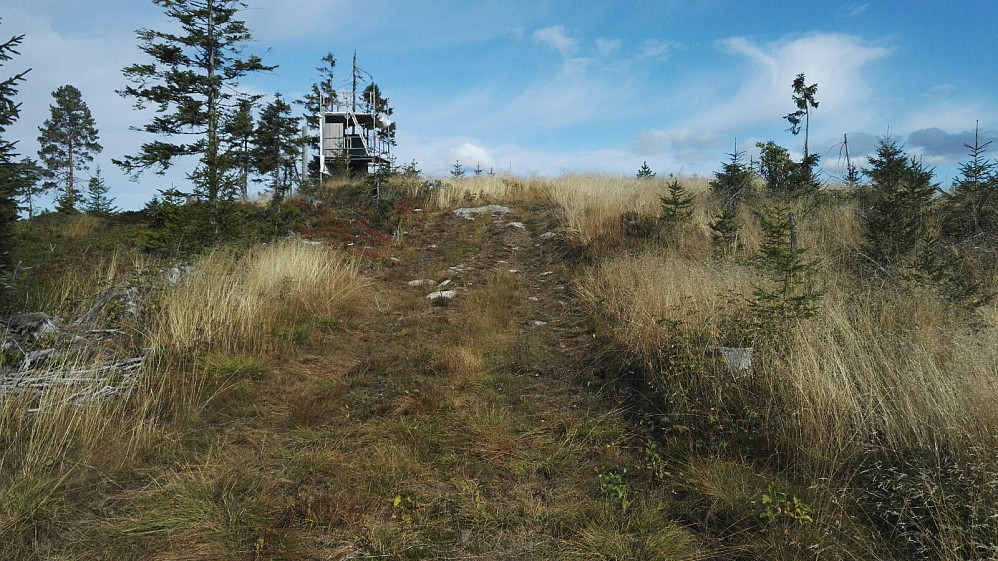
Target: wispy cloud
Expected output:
[556,38]
[856,10]
[655,49]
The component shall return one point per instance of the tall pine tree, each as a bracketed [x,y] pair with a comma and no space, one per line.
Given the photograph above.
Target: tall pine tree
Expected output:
[68,143]
[190,82]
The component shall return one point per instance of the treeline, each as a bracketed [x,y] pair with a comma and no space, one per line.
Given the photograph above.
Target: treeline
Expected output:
[191,79]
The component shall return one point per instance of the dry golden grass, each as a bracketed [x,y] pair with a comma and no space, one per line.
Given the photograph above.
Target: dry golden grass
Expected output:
[893,369]
[646,299]
[878,366]
[484,189]
[593,204]
[243,304]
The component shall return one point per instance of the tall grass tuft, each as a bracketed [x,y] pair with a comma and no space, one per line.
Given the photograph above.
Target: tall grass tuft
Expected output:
[242,304]
[484,189]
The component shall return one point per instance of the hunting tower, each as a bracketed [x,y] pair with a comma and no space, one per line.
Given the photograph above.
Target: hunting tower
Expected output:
[354,133]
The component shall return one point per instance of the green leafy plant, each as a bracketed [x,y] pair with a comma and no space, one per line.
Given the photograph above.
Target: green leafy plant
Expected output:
[612,484]
[778,506]
[776,167]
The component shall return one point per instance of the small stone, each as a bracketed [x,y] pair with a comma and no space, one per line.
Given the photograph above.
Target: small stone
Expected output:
[533,298]
[421,282]
[517,225]
[538,323]
[514,271]
[445,283]
[547,235]
[446,294]
[469,213]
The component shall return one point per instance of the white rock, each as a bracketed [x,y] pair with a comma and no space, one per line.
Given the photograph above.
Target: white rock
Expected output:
[448,294]
[469,213]
[547,235]
[539,323]
[421,282]
[517,225]
[533,298]
[445,283]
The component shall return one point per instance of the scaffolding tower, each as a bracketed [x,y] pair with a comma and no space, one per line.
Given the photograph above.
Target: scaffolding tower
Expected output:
[353,138]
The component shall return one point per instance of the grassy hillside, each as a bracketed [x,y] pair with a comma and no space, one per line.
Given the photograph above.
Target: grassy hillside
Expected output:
[302,400]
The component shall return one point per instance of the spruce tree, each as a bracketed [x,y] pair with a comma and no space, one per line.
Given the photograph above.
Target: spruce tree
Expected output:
[276,148]
[792,294]
[14,175]
[377,103]
[97,202]
[457,171]
[322,93]
[68,143]
[804,101]
[733,181]
[238,132]
[897,208]
[724,231]
[644,171]
[677,207]
[971,207]
[190,81]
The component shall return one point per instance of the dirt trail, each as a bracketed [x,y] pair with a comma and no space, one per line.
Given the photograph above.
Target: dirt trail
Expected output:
[462,428]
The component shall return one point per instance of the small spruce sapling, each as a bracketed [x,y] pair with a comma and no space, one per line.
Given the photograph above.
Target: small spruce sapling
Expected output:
[457,171]
[793,294]
[677,207]
[645,172]
[724,231]
[97,202]
[733,181]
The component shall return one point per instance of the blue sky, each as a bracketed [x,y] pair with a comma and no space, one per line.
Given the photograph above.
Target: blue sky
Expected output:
[556,86]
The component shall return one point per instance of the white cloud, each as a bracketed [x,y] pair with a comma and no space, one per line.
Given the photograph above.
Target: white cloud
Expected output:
[655,49]
[556,38]
[835,62]
[471,156]
[607,47]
